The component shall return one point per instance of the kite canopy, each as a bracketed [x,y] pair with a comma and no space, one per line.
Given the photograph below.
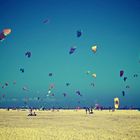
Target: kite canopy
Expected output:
[67,84]
[2,36]
[6,84]
[46,21]
[135,75]
[79,33]
[51,86]
[28,54]
[94,48]
[6,31]
[116,103]
[78,92]
[50,74]
[125,78]
[123,93]
[22,70]
[72,50]
[88,72]
[121,73]
[94,75]
[49,91]
[92,84]
[64,94]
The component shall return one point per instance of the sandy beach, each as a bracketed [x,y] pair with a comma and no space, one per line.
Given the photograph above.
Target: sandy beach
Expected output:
[70,125]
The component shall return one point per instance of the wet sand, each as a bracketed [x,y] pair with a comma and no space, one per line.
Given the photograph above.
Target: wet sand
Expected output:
[70,125]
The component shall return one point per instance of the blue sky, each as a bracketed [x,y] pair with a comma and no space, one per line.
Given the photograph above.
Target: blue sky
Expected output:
[112,25]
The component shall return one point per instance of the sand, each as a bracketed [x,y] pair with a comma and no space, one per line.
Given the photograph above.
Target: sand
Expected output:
[70,125]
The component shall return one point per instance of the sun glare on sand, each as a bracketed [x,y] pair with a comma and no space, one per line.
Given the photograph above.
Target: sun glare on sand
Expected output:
[70,125]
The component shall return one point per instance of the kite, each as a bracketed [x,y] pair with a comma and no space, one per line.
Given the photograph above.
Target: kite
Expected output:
[67,84]
[46,21]
[25,88]
[121,73]
[50,74]
[6,84]
[135,75]
[72,50]
[88,72]
[64,94]
[116,103]
[125,78]
[94,75]
[3,86]
[50,94]
[22,70]
[123,93]
[97,106]
[4,33]
[49,91]
[28,54]
[78,92]
[94,48]
[92,84]
[2,36]
[79,33]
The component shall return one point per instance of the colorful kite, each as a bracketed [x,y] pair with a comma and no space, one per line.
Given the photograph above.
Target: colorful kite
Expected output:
[121,73]
[94,75]
[46,21]
[4,34]
[116,103]
[94,48]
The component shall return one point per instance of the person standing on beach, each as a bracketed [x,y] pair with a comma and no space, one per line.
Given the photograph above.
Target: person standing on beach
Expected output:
[86,109]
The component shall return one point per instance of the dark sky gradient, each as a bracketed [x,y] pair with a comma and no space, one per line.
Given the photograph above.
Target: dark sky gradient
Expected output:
[112,25]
